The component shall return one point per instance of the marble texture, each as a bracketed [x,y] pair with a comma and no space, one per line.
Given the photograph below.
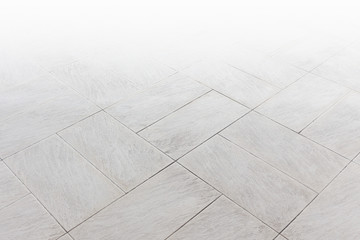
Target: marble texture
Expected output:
[145,108]
[27,219]
[95,81]
[269,69]
[308,52]
[23,129]
[304,101]
[334,214]
[186,128]
[339,128]
[300,158]
[223,219]
[68,186]
[119,153]
[154,210]
[342,68]
[242,87]
[28,95]
[264,191]
[11,189]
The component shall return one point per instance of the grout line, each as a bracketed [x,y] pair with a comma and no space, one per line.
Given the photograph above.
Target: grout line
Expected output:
[207,206]
[28,193]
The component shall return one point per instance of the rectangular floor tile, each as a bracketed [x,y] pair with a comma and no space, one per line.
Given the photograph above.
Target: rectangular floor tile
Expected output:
[310,51]
[21,97]
[115,150]
[334,214]
[264,191]
[11,189]
[342,68]
[232,82]
[224,219]
[267,68]
[339,128]
[95,81]
[183,130]
[21,130]
[27,219]
[301,103]
[154,210]
[307,162]
[68,186]
[145,108]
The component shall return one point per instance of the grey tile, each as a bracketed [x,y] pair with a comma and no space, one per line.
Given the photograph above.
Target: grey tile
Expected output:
[223,219]
[301,103]
[334,214]
[310,51]
[143,109]
[23,129]
[27,219]
[11,189]
[70,188]
[183,130]
[65,237]
[307,162]
[28,95]
[119,153]
[342,68]
[154,210]
[269,69]
[264,191]
[232,82]
[280,238]
[339,128]
[357,159]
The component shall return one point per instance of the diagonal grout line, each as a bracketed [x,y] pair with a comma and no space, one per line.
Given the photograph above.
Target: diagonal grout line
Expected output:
[195,215]
[28,193]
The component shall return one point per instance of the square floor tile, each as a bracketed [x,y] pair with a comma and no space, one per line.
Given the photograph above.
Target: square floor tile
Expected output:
[300,158]
[115,150]
[267,68]
[188,127]
[27,219]
[304,101]
[68,186]
[339,128]
[240,86]
[264,191]
[342,68]
[334,214]
[11,189]
[145,108]
[154,210]
[23,129]
[223,219]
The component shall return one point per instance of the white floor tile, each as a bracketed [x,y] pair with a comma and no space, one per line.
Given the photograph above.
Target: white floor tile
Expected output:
[264,191]
[70,188]
[65,237]
[183,130]
[119,153]
[152,211]
[300,158]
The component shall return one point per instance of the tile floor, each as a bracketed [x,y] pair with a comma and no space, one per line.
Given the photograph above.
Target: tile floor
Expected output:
[205,141]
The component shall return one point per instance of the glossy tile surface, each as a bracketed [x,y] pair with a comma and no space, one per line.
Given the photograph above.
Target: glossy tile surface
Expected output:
[304,101]
[119,153]
[145,108]
[264,191]
[27,219]
[334,214]
[242,87]
[300,158]
[11,189]
[339,128]
[23,129]
[223,219]
[153,210]
[68,186]
[186,128]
